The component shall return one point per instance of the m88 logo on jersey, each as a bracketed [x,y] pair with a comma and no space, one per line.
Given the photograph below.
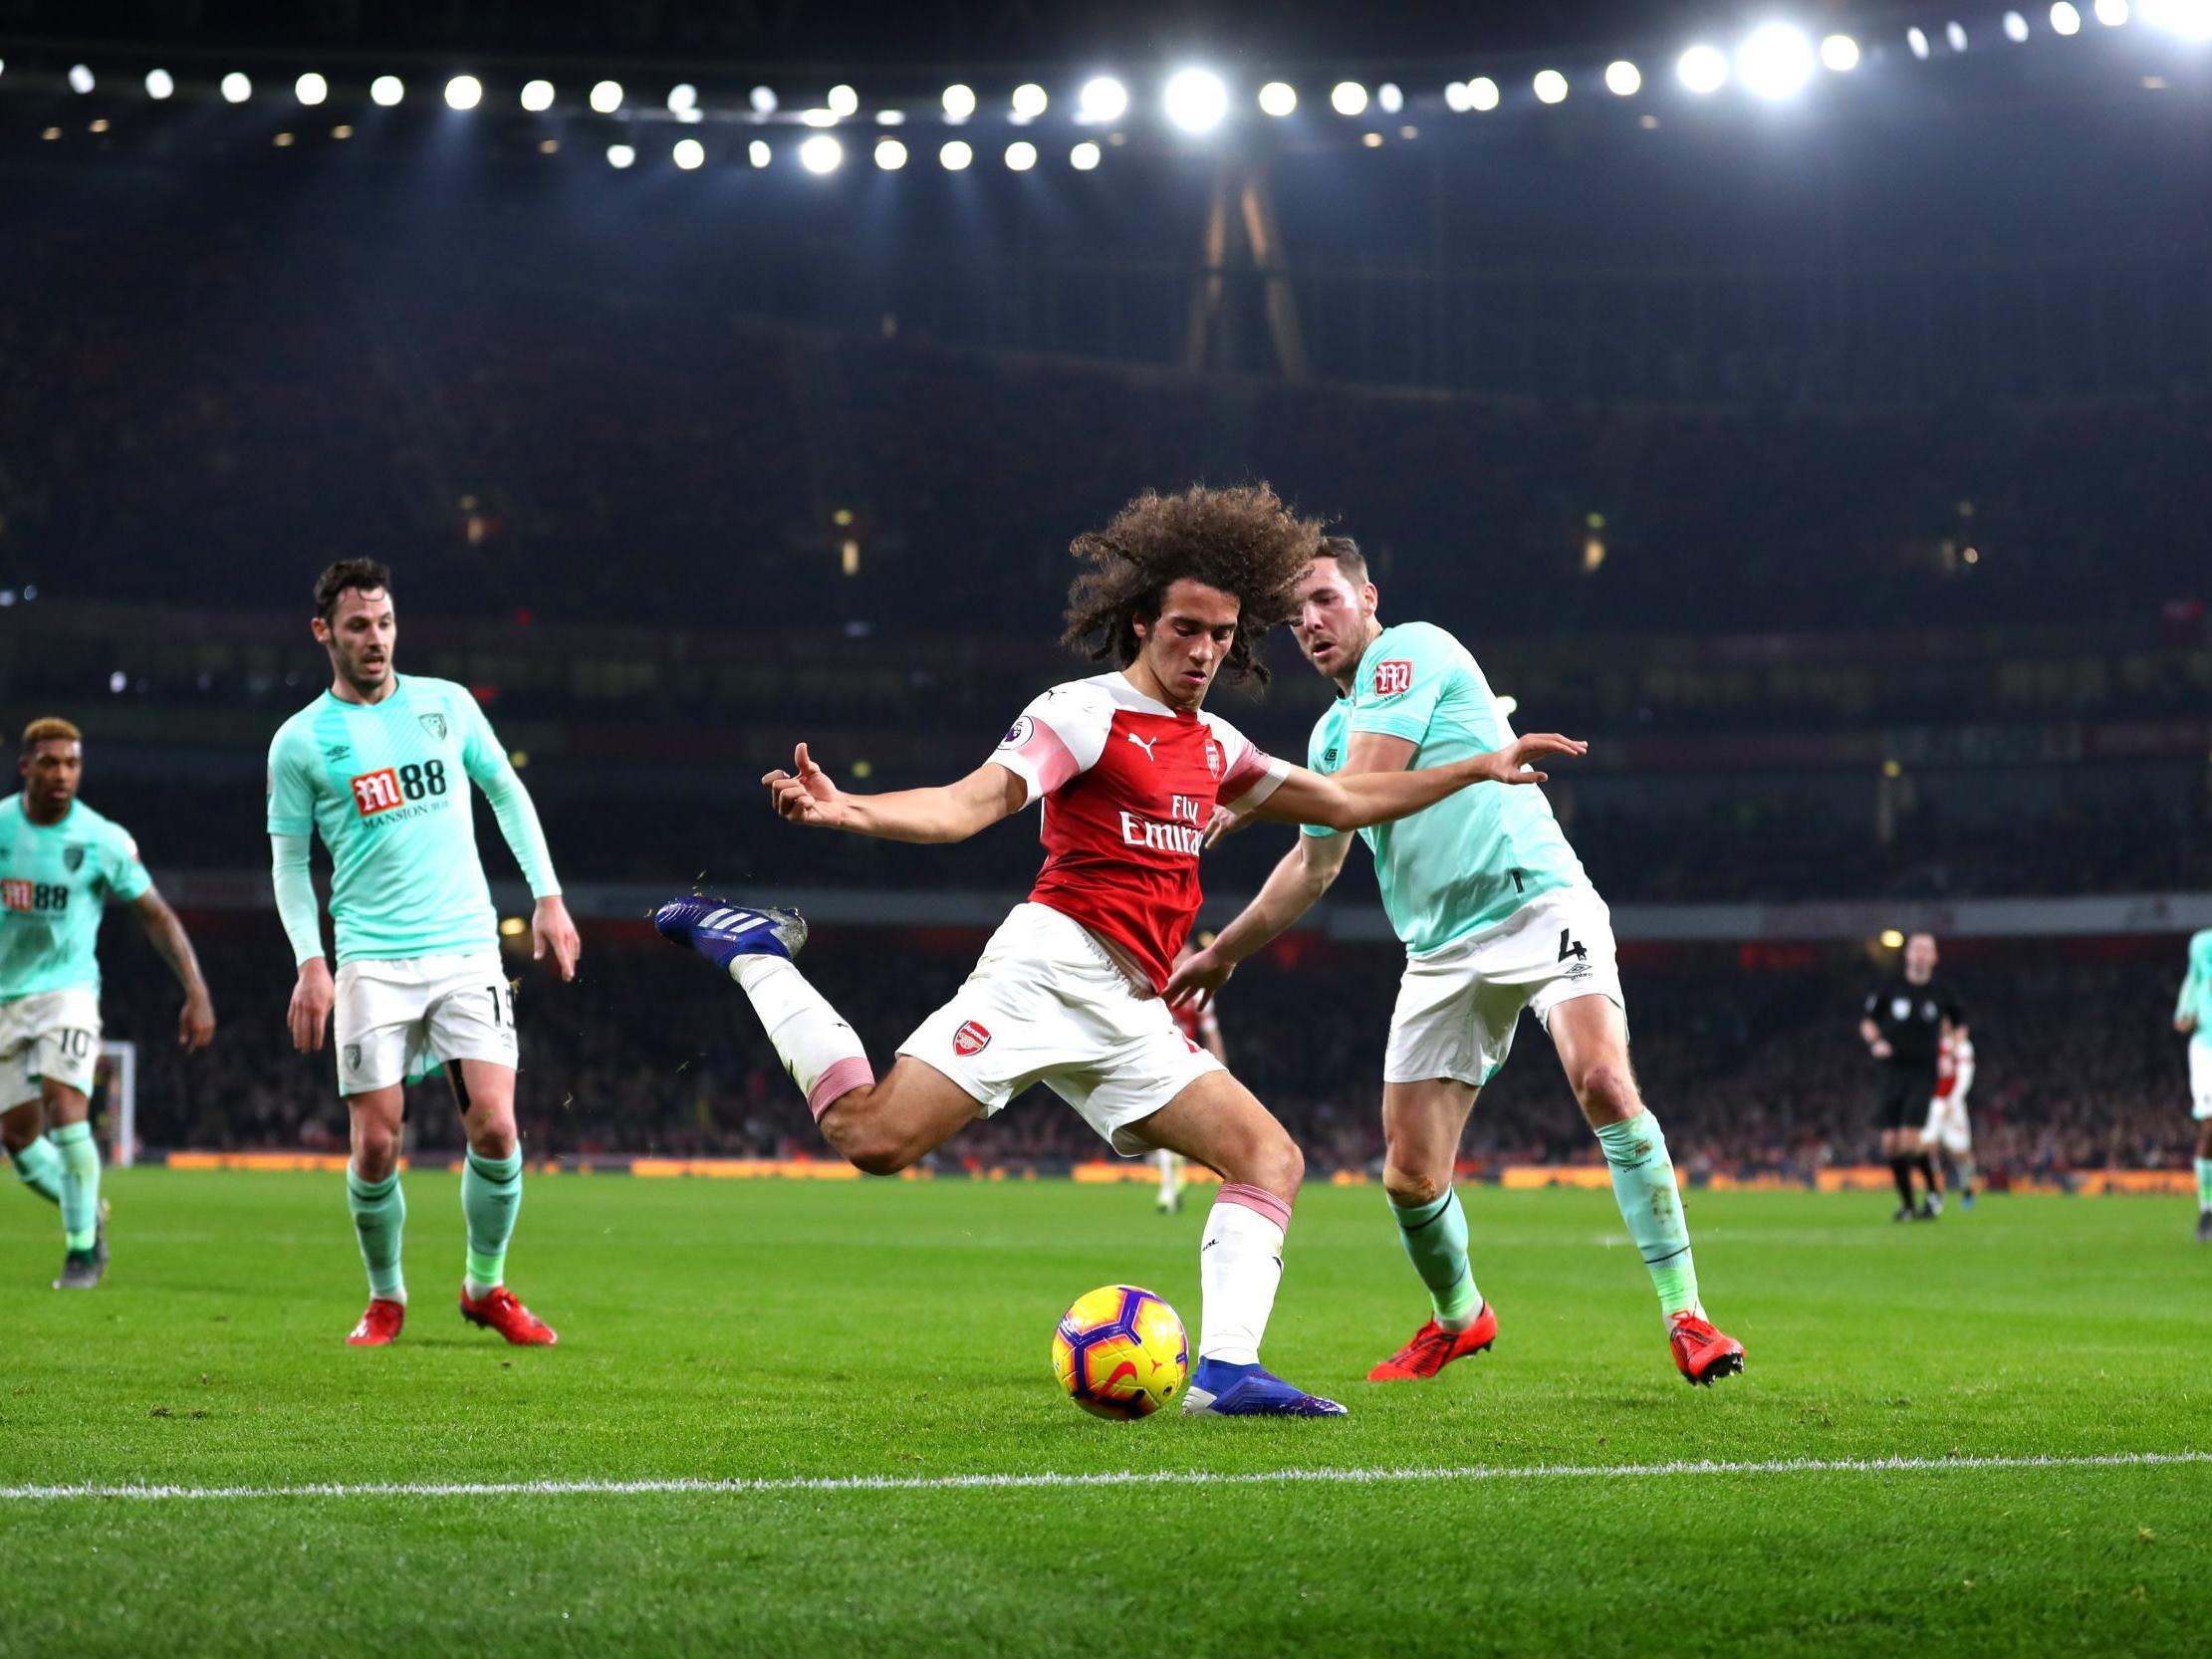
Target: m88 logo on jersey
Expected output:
[381,792]
[1393,678]
[25,896]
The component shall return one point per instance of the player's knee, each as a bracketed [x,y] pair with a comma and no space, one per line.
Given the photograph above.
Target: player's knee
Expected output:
[1273,1163]
[1608,1091]
[494,1140]
[1408,1189]
[376,1151]
[865,1135]
[18,1130]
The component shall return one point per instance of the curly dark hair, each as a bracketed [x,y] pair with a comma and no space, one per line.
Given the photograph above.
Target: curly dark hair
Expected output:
[365,576]
[1242,540]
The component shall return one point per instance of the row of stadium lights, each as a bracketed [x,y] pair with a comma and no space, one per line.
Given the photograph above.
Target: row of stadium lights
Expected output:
[1774,62]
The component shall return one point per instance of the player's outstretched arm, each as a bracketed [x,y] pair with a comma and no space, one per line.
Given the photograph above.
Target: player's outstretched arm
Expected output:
[1369,798]
[1295,884]
[195,1027]
[946,812]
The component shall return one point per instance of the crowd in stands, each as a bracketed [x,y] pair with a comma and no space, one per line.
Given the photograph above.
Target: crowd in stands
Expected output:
[1755,1070]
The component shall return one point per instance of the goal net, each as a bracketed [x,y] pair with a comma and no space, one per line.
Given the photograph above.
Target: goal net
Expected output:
[117,1081]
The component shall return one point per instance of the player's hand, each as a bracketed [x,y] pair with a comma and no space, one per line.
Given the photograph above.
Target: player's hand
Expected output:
[805,793]
[1223,823]
[309,1014]
[2186,1025]
[551,930]
[1196,980]
[195,1027]
[1881,1049]
[1504,765]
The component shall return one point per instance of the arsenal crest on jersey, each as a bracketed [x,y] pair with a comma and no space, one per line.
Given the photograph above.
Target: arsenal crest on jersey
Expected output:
[1213,757]
[970,1039]
[73,858]
[435,724]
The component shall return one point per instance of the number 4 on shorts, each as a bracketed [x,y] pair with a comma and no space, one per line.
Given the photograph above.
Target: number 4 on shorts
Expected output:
[1571,947]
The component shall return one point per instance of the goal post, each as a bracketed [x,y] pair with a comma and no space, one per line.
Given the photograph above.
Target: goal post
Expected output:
[120,1062]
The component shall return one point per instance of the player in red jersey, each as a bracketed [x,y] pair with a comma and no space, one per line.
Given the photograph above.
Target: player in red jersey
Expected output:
[1201,1029]
[1067,992]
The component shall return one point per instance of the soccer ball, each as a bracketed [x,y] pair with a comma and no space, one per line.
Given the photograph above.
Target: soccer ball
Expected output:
[1120,1353]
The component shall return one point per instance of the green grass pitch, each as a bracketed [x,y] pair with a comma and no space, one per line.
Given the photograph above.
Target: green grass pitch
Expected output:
[769,1330]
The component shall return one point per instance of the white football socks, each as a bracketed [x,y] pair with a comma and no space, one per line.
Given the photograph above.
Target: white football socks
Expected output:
[1240,1263]
[821,1052]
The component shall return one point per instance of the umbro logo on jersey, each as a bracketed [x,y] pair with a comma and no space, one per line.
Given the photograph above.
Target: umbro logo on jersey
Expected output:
[1144,744]
[1329,757]
[338,751]
[435,724]
[970,1039]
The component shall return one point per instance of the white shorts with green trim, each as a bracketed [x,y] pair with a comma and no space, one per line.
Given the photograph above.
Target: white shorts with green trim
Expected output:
[2200,1080]
[1045,1004]
[1459,1006]
[51,1034]
[396,1019]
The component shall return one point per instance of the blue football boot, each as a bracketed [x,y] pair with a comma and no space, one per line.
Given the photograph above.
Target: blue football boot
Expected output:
[721,931]
[1219,1389]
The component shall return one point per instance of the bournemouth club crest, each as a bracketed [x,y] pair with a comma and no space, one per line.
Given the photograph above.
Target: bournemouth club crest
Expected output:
[353,1057]
[435,724]
[970,1039]
[73,858]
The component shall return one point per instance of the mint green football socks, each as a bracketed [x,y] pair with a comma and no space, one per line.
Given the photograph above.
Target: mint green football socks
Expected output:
[491,1197]
[1435,1240]
[39,1167]
[80,1183]
[1650,1203]
[379,1212]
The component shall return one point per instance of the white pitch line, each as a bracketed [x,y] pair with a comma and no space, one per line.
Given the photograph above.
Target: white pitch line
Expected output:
[1118,1477]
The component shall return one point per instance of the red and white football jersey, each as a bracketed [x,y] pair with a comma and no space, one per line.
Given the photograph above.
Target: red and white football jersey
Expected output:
[1954,1067]
[1130,785]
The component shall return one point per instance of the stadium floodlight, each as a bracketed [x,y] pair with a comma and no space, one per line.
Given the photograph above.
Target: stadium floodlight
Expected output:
[235,87]
[1457,98]
[2190,19]
[758,154]
[763,101]
[1917,40]
[1775,62]
[1278,98]
[958,102]
[606,98]
[890,155]
[1702,70]
[1624,78]
[619,155]
[1388,98]
[1954,36]
[311,89]
[385,91]
[1103,98]
[1085,157]
[463,92]
[843,102]
[690,154]
[80,79]
[159,82]
[954,155]
[818,117]
[681,97]
[537,95]
[1030,101]
[1348,97]
[2111,12]
[820,153]
[2066,18]
[1195,100]
[1839,52]
[1020,156]
[1551,87]
[1482,93]
[2016,28]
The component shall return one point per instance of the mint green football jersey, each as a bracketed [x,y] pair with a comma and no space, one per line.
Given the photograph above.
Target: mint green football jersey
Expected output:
[387,787]
[1472,860]
[2196,990]
[55,883]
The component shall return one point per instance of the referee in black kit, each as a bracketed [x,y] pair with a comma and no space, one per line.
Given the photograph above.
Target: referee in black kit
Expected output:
[1904,1022]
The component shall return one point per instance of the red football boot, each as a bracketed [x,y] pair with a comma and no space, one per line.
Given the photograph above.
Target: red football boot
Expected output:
[1433,1347]
[499,1310]
[1702,1353]
[379,1324]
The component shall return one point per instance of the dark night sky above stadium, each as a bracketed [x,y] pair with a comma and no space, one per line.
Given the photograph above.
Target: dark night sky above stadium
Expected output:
[969,32]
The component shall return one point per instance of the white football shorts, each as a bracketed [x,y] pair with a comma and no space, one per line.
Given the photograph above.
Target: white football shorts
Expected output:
[1948,1123]
[52,1034]
[1045,1004]
[1459,1006]
[2200,1080]
[394,1020]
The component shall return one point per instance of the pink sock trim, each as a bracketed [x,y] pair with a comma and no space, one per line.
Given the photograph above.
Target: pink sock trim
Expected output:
[839,1080]
[1257,1198]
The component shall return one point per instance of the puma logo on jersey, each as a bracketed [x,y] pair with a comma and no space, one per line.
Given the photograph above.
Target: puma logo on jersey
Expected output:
[1144,744]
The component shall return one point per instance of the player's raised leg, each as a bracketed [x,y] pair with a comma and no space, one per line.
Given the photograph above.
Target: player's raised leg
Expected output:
[1592,1037]
[491,1198]
[379,1207]
[1421,1126]
[37,1164]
